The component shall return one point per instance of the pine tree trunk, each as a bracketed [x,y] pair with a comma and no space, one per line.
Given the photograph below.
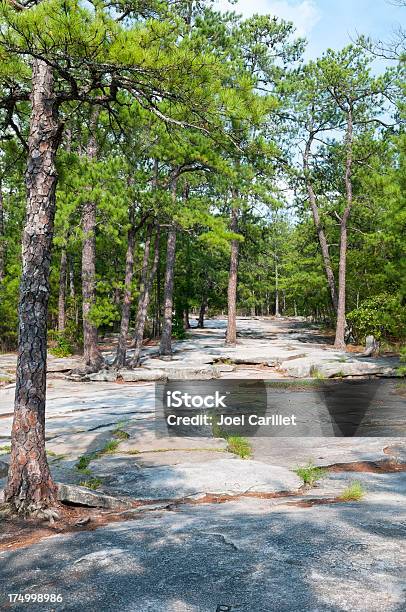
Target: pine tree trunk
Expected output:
[277,313]
[231,334]
[165,347]
[342,268]
[126,307]
[143,306]
[62,291]
[30,487]
[319,228]
[2,249]
[92,356]
[203,307]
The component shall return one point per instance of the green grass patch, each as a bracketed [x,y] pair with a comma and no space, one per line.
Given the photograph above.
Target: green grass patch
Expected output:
[310,473]
[235,444]
[92,483]
[5,450]
[109,448]
[317,374]
[120,434]
[239,446]
[83,463]
[354,492]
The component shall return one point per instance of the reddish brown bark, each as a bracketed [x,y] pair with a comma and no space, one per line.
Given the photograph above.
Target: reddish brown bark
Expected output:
[339,341]
[231,334]
[92,356]
[30,487]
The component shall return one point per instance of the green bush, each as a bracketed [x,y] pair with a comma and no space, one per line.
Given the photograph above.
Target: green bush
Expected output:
[382,316]
[60,345]
[178,330]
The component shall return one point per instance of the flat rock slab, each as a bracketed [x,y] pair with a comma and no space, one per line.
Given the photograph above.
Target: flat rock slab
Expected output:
[81,496]
[221,476]
[247,555]
[294,452]
[330,365]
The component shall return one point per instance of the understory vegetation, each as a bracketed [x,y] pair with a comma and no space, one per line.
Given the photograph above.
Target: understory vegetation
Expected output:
[270,161]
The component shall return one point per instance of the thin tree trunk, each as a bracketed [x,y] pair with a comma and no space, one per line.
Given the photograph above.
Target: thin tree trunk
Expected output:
[62,291]
[143,306]
[277,313]
[72,291]
[126,307]
[92,356]
[342,268]
[231,334]
[30,487]
[2,248]
[203,307]
[165,348]
[318,225]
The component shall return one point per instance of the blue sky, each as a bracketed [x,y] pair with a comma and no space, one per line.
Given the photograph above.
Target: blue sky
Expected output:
[329,23]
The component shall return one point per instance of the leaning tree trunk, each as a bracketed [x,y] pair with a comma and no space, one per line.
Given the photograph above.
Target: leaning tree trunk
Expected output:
[30,487]
[143,306]
[319,228]
[92,356]
[62,291]
[165,347]
[231,334]
[126,307]
[342,268]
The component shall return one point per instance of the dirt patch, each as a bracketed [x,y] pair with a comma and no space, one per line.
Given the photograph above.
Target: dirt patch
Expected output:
[18,532]
[384,466]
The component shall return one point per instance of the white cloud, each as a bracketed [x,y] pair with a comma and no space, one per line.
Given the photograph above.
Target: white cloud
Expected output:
[303,14]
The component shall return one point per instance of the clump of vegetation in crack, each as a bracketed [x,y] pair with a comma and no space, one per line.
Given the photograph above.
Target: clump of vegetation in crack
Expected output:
[317,374]
[84,461]
[239,446]
[354,492]
[235,444]
[310,473]
[92,483]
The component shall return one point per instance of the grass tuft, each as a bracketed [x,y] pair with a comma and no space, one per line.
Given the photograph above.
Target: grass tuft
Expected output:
[120,434]
[354,492]
[109,448]
[310,473]
[239,446]
[92,483]
[5,450]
